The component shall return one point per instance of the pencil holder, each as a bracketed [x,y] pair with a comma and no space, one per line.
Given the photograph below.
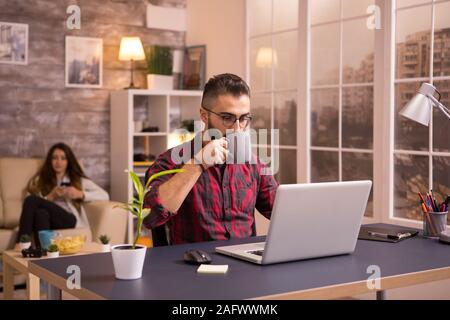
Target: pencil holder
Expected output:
[434,223]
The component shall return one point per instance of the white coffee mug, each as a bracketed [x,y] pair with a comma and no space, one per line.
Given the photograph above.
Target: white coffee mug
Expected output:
[239,147]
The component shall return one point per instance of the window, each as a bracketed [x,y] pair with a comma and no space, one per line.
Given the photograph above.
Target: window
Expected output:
[421,154]
[342,71]
[340,96]
[272,39]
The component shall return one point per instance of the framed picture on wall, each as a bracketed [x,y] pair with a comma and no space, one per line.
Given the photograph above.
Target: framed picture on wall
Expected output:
[194,68]
[84,62]
[13,43]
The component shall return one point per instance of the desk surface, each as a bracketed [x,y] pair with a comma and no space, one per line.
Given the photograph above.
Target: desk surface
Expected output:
[166,276]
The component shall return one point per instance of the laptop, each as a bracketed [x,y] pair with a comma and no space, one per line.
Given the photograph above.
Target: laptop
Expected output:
[309,221]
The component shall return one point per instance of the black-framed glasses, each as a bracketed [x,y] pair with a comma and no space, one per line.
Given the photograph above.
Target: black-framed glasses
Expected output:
[229,119]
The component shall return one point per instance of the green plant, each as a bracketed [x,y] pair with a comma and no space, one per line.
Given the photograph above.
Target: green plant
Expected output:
[53,248]
[104,239]
[136,205]
[25,238]
[159,60]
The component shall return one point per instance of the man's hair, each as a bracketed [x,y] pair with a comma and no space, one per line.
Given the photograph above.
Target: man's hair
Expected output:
[223,84]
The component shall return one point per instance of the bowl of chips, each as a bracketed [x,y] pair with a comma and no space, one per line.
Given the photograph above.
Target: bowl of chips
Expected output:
[70,244]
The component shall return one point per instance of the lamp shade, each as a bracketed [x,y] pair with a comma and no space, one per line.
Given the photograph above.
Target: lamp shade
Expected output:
[266,57]
[420,107]
[131,49]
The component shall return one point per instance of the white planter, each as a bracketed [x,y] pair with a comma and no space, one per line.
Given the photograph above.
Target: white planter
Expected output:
[106,247]
[53,254]
[128,263]
[24,245]
[156,81]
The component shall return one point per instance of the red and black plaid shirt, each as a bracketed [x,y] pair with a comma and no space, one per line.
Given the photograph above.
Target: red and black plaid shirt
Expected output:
[220,205]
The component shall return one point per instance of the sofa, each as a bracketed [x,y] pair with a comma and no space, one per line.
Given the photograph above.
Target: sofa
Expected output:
[14,176]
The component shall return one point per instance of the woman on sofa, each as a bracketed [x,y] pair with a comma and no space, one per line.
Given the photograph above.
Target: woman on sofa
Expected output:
[56,195]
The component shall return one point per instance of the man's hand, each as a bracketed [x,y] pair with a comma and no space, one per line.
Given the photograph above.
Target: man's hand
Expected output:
[215,152]
[73,193]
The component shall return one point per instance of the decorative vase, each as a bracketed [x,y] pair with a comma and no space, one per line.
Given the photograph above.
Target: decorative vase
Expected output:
[106,247]
[53,254]
[24,245]
[128,262]
[159,82]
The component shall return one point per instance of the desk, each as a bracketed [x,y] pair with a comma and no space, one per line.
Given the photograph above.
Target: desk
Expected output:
[166,276]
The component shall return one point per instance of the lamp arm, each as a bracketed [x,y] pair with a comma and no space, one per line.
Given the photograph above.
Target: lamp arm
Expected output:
[440,106]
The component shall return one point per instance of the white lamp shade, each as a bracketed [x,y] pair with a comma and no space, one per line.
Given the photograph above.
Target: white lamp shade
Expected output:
[420,107]
[131,49]
[266,57]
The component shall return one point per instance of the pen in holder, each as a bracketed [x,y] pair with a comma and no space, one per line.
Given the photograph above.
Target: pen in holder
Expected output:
[434,223]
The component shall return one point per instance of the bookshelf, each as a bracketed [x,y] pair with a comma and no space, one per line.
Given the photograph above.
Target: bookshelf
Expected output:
[132,113]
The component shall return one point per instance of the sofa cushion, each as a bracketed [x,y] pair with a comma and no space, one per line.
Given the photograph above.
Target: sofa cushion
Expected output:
[15,173]
[7,239]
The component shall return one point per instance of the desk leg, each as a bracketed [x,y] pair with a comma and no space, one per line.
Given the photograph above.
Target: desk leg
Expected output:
[53,293]
[381,295]
[8,281]
[33,287]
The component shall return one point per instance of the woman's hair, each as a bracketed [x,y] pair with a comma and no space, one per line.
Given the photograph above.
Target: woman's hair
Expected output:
[44,180]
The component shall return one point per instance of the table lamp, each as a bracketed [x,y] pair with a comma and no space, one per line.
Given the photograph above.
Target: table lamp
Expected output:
[420,107]
[131,50]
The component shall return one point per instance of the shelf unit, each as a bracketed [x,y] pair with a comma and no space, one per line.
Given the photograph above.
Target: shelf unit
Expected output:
[156,108]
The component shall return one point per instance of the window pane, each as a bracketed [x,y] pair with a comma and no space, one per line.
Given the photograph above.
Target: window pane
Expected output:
[410,177]
[285,117]
[285,60]
[260,110]
[413,40]
[442,40]
[261,64]
[353,8]
[357,117]
[441,178]
[325,117]
[357,52]
[324,166]
[406,3]
[287,172]
[260,16]
[441,128]
[359,166]
[409,135]
[285,14]
[325,10]
[325,54]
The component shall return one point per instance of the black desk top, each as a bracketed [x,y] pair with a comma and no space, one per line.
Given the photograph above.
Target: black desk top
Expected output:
[166,276]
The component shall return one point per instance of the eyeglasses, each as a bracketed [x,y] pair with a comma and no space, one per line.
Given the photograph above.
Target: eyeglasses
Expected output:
[229,119]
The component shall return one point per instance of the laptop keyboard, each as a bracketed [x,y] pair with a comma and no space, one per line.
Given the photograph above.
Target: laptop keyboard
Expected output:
[257,252]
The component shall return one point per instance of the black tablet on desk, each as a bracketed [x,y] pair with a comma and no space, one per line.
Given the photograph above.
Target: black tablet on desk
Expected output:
[386,234]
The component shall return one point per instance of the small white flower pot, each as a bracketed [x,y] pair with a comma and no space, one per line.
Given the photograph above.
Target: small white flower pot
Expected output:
[53,254]
[24,245]
[128,262]
[159,82]
[106,247]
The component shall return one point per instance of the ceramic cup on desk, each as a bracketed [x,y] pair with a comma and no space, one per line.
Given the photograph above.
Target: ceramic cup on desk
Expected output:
[434,223]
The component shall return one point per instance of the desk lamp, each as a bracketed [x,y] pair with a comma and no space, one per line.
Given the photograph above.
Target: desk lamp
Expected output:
[420,106]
